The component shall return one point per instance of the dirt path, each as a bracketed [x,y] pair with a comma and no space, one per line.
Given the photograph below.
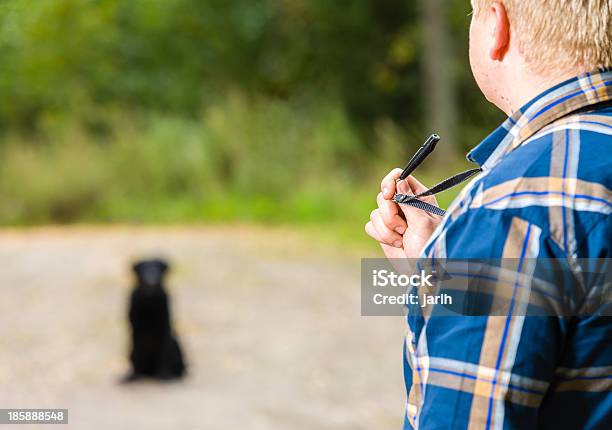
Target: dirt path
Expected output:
[270,323]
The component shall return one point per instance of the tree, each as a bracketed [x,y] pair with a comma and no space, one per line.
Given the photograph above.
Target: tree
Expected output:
[439,87]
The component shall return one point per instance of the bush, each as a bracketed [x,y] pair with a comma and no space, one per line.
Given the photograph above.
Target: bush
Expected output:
[241,159]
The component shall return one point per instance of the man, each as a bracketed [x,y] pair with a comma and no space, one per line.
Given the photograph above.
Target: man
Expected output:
[545,191]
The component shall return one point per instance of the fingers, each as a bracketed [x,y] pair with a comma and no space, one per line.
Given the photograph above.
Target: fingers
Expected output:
[371,231]
[390,214]
[411,185]
[387,186]
[393,252]
[389,222]
[382,233]
[415,217]
[390,251]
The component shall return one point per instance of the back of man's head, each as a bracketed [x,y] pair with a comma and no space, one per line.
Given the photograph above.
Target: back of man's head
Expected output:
[559,35]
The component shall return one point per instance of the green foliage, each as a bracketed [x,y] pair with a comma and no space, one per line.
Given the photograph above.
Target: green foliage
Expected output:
[241,160]
[182,55]
[170,110]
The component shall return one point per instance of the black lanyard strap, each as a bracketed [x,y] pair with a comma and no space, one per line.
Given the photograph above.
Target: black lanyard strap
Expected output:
[450,182]
[420,204]
[414,200]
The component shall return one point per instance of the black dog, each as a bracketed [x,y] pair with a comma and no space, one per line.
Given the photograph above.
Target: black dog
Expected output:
[155,349]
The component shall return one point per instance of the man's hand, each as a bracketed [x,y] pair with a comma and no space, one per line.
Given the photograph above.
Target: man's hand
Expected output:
[402,230]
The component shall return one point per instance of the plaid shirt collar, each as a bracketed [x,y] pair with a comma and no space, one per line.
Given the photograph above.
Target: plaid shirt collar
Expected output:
[562,99]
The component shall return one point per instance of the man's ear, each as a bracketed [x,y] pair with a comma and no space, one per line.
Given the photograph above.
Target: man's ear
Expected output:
[501,32]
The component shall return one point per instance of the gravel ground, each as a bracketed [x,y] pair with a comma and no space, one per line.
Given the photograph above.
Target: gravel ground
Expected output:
[270,324]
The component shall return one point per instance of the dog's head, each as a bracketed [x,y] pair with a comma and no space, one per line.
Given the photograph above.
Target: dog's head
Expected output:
[150,273]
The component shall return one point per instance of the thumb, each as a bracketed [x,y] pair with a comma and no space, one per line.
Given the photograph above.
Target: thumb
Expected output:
[415,216]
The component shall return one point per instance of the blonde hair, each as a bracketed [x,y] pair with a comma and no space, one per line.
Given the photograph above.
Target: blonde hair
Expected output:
[560,34]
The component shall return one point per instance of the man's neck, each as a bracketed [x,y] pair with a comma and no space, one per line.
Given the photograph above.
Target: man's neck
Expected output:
[524,87]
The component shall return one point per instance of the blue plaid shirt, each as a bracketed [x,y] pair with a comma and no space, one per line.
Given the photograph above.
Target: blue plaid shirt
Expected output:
[545,192]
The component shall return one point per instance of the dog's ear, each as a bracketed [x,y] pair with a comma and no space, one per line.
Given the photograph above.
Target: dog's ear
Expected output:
[163,266]
[138,266]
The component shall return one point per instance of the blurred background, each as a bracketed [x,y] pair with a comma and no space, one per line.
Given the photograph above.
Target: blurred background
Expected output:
[235,138]
[188,110]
